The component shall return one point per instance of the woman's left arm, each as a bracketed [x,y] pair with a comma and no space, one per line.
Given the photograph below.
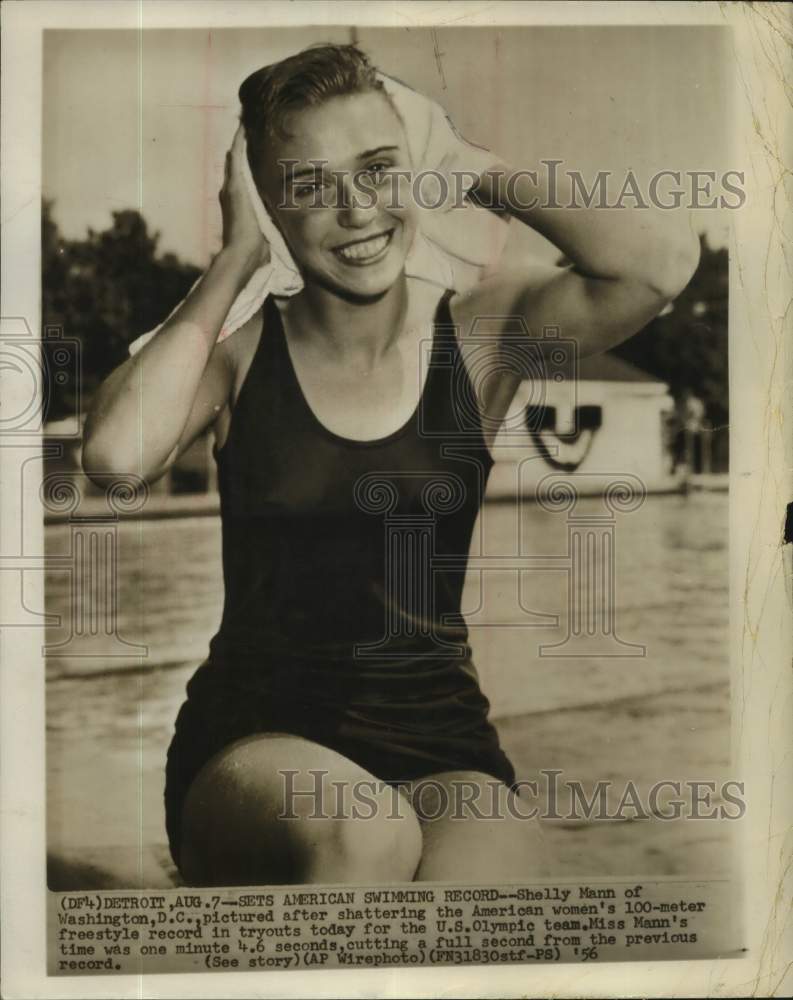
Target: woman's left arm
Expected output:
[626,264]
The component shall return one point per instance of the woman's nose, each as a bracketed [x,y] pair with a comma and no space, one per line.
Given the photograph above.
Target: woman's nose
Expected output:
[355,207]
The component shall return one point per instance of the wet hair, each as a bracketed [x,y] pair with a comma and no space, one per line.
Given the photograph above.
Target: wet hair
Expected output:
[304,80]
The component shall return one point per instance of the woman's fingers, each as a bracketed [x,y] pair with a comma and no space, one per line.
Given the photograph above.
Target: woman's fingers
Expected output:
[234,152]
[240,226]
[233,163]
[237,150]
[239,138]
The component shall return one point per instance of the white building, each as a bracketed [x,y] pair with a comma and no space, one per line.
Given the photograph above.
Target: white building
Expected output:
[613,420]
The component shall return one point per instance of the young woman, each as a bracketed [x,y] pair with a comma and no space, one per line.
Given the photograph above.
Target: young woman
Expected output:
[341,669]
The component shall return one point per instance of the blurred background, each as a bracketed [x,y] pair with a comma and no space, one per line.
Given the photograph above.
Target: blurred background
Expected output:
[135,128]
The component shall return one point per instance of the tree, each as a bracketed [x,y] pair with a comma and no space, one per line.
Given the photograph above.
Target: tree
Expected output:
[687,346]
[103,291]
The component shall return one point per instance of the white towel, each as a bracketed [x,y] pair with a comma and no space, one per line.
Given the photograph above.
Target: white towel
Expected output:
[454,244]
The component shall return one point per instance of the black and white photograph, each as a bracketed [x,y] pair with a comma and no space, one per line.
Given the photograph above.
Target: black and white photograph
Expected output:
[384,436]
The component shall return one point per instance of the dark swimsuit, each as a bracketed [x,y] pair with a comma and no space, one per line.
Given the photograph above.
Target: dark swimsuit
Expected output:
[344,563]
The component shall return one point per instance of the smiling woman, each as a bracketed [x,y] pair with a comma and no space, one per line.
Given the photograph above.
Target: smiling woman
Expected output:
[346,466]
[322,134]
[335,207]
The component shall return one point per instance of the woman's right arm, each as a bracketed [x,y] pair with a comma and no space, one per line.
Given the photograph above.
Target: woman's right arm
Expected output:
[177,383]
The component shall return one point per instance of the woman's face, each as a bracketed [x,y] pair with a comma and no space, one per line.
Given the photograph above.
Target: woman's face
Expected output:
[332,189]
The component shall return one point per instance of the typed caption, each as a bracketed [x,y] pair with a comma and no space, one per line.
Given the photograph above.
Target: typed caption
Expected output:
[306,927]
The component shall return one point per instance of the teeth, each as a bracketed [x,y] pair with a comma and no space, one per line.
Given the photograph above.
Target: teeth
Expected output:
[360,251]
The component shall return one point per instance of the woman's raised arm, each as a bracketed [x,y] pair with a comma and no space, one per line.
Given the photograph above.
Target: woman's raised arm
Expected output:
[175,385]
[626,263]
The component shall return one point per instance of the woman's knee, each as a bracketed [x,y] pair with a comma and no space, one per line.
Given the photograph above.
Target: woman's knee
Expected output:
[243,822]
[469,815]
[362,831]
[230,833]
[381,848]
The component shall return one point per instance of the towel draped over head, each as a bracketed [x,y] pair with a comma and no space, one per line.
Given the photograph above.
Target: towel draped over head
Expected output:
[455,243]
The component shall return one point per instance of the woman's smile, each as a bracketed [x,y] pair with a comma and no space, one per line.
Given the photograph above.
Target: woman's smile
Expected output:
[366,251]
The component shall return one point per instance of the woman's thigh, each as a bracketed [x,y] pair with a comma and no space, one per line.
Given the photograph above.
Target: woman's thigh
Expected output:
[276,809]
[476,830]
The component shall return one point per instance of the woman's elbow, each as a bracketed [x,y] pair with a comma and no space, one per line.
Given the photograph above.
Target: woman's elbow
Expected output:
[674,266]
[103,469]
[101,463]
[103,460]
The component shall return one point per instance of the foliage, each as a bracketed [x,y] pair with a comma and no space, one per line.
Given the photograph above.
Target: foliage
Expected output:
[687,347]
[103,291]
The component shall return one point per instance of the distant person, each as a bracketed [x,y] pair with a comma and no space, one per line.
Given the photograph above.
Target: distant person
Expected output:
[316,395]
[691,423]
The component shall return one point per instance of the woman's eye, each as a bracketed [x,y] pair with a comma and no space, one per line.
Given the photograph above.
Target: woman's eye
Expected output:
[378,170]
[307,189]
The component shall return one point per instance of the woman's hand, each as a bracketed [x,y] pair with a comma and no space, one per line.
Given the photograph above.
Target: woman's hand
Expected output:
[241,233]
